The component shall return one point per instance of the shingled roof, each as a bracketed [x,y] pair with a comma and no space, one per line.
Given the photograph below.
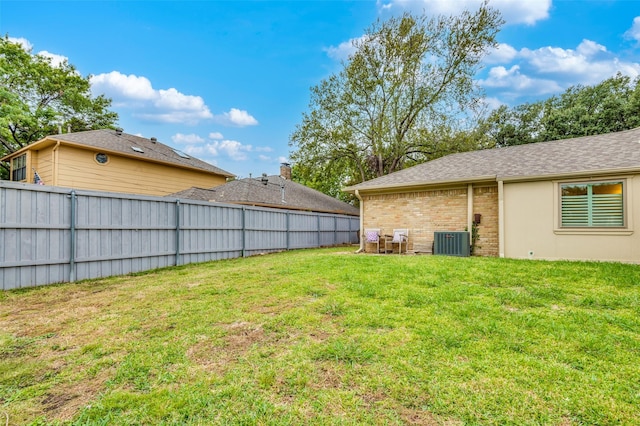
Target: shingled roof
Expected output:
[600,154]
[112,141]
[270,191]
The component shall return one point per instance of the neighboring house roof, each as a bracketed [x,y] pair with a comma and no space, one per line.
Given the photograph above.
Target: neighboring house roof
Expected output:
[115,142]
[600,154]
[193,193]
[277,192]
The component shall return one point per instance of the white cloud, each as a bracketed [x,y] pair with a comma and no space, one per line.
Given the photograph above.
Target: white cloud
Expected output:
[216,147]
[549,70]
[283,160]
[123,87]
[189,139]
[26,44]
[265,158]
[589,63]
[233,149]
[514,81]
[236,117]
[132,91]
[634,31]
[503,53]
[56,60]
[343,50]
[513,11]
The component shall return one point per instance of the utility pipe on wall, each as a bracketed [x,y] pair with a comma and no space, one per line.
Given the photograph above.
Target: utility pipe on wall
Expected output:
[361,231]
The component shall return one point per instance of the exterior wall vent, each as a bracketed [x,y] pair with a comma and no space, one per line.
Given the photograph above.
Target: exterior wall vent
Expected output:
[451,243]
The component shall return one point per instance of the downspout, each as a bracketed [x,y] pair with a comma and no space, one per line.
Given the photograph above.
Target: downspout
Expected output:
[55,164]
[361,232]
[470,208]
[501,218]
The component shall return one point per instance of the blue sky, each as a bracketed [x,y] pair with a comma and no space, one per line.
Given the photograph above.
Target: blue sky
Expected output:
[227,81]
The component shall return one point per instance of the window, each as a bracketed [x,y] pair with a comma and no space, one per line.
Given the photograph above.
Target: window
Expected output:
[181,154]
[19,168]
[597,204]
[102,158]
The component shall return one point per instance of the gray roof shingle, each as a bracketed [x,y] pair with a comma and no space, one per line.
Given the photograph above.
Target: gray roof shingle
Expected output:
[109,140]
[583,155]
[253,191]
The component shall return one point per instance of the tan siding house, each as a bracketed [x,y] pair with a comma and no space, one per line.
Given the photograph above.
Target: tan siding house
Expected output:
[109,160]
[569,199]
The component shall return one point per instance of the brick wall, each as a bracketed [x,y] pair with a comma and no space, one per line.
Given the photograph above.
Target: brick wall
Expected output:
[485,202]
[424,212]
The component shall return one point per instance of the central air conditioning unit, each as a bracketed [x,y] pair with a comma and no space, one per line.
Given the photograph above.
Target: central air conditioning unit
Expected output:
[451,243]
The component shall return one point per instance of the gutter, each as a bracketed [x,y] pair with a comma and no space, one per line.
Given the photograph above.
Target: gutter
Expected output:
[361,249]
[412,186]
[577,174]
[54,168]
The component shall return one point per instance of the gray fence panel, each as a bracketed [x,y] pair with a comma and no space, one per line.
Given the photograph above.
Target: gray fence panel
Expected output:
[115,234]
[265,231]
[303,228]
[34,237]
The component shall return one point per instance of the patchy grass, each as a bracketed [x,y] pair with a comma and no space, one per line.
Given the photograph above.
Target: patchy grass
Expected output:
[328,337]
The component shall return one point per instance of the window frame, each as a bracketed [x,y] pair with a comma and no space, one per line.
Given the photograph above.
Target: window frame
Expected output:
[20,171]
[106,156]
[625,229]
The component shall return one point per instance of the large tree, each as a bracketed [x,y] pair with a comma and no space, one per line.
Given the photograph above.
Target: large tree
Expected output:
[36,97]
[404,90]
[609,106]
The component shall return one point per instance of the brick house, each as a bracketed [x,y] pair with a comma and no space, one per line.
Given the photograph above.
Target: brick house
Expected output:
[568,199]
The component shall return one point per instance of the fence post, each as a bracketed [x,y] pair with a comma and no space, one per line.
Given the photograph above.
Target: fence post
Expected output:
[72,237]
[288,230]
[244,230]
[335,230]
[177,232]
[319,234]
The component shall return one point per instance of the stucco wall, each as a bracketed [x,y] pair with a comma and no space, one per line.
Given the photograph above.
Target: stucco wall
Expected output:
[424,212]
[531,229]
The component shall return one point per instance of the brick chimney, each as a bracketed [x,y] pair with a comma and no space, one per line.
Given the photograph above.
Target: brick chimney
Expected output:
[285,170]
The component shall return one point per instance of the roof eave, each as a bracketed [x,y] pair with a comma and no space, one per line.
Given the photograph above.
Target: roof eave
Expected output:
[284,206]
[414,185]
[109,151]
[30,147]
[568,175]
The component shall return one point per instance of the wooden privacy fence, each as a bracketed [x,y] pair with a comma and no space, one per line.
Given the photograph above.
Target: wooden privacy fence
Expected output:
[51,235]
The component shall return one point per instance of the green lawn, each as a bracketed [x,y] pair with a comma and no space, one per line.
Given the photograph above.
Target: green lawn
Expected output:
[329,337]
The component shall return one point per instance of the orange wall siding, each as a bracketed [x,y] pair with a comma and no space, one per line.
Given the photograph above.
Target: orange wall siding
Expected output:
[77,168]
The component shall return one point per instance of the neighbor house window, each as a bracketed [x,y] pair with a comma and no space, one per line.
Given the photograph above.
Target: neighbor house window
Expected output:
[19,167]
[598,204]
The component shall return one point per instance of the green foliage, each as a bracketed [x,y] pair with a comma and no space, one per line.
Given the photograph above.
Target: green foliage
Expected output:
[398,100]
[610,106]
[37,97]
